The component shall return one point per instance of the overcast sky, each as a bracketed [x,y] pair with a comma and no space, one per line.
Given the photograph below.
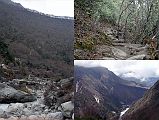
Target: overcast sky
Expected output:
[139,69]
[53,7]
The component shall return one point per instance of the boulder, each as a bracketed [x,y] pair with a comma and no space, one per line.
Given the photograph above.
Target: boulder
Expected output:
[15,108]
[112,37]
[119,53]
[4,107]
[58,93]
[10,95]
[1,112]
[67,108]
[23,117]
[26,112]
[118,41]
[42,117]
[33,117]
[54,116]
[66,83]
[13,118]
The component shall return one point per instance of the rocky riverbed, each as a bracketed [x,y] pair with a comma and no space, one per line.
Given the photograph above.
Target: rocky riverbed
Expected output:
[24,99]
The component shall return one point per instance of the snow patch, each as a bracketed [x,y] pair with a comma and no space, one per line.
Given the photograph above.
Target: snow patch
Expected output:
[96,98]
[123,112]
[77,86]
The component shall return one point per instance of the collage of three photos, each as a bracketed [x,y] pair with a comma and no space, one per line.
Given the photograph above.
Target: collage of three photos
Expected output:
[79,59]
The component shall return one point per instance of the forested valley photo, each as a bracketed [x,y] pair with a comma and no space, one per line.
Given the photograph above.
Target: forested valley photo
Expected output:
[36,64]
[116,29]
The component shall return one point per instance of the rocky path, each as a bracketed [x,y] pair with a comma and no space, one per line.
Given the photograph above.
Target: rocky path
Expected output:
[115,49]
[120,49]
[124,51]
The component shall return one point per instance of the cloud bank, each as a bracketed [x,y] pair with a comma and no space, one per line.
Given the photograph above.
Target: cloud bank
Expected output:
[130,68]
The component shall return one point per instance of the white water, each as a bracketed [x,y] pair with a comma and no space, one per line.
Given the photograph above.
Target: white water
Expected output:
[123,112]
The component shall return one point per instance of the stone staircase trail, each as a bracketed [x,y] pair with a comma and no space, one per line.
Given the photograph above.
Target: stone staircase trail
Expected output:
[120,49]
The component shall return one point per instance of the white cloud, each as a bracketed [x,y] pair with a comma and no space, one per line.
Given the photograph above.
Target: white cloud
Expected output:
[54,7]
[140,69]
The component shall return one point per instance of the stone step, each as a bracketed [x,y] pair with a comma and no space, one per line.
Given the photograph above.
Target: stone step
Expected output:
[137,57]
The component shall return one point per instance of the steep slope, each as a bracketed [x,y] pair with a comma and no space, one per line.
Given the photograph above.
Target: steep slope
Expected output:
[102,94]
[41,42]
[147,108]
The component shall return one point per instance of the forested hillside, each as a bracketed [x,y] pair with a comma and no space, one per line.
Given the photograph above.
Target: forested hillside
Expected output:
[39,42]
[131,24]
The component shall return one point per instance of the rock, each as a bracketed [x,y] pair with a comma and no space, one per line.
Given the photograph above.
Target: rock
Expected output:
[118,41]
[36,106]
[58,93]
[26,112]
[66,83]
[1,112]
[3,109]
[15,108]
[67,108]
[13,118]
[137,57]
[120,44]
[42,117]
[54,116]
[46,111]
[23,117]
[10,95]
[119,53]
[133,46]
[109,31]
[112,37]
[33,117]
